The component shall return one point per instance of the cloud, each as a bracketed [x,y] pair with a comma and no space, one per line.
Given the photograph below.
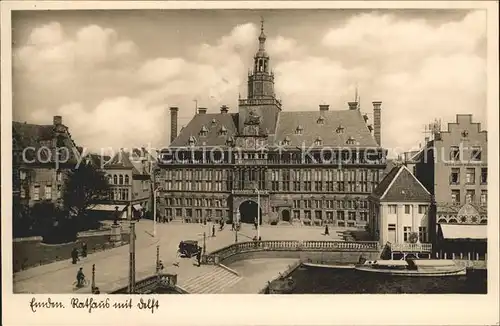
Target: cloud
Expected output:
[113,123]
[52,58]
[420,70]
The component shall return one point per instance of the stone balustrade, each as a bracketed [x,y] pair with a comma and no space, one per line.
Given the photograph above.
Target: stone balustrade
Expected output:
[151,283]
[412,247]
[219,255]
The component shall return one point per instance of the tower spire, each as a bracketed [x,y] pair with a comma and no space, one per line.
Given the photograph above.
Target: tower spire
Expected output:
[262,36]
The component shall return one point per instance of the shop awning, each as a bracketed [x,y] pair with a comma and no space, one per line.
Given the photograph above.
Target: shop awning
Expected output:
[137,207]
[464,232]
[107,207]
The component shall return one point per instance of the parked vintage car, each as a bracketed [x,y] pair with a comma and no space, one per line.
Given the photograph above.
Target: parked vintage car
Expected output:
[188,248]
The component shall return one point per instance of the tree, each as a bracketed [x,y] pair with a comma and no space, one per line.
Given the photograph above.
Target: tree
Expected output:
[84,187]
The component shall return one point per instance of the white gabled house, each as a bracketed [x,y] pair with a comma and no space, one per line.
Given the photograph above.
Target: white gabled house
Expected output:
[399,209]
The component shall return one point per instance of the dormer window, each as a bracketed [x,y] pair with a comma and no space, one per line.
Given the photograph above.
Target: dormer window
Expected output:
[321,120]
[192,141]
[203,131]
[223,131]
[318,142]
[230,141]
[298,130]
[340,129]
[351,141]
[286,141]
[214,122]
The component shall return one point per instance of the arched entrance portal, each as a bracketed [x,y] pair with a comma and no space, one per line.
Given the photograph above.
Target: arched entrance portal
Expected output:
[249,212]
[285,215]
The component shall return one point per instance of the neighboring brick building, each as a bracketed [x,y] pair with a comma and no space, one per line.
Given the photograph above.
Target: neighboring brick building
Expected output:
[398,207]
[310,167]
[453,167]
[37,174]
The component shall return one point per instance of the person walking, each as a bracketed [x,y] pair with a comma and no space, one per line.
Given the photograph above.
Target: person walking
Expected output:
[198,256]
[80,277]
[74,256]
[327,232]
[84,249]
[213,230]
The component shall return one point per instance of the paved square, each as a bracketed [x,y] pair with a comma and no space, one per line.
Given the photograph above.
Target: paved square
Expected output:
[112,265]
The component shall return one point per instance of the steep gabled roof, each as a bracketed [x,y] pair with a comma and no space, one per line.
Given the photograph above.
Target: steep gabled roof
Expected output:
[26,135]
[400,185]
[324,124]
[122,161]
[213,122]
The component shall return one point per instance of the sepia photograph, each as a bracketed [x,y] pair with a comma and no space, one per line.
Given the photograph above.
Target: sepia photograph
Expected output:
[266,151]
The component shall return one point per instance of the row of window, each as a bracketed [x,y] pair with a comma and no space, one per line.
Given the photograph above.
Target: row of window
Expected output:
[329,215]
[196,213]
[194,202]
[118,179]
[46,193]
[474,153]
[23,174]
[422,209]
[330,203]
[324,175]
[120,194]
[328,186]
[470,176]
[470,196]
[275,175]
[217,157]
[423,235]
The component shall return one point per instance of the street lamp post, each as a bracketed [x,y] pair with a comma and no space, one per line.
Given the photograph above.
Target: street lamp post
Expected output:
[131,283]
[258,213]
[204,243]
[93,279]
[235,223]
[154,213]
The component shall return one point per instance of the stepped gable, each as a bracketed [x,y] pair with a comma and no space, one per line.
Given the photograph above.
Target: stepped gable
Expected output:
[213,122]
[352,121]
[400,185]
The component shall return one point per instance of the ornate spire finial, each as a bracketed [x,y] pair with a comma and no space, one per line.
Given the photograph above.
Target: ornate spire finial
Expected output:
[261,23]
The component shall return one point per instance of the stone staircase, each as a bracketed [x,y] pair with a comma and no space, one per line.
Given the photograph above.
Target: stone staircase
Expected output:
[213,282]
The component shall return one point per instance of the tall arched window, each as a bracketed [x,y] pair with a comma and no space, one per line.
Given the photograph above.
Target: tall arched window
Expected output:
[126,179]
[121,179]
[115,179]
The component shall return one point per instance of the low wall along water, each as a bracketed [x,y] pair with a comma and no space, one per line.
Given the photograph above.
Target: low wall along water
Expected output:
[314,251]
[31,252]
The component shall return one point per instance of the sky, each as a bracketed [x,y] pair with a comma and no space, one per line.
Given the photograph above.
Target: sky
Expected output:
[112,75]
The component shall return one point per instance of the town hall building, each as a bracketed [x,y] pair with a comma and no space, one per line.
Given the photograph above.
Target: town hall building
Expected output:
[310,167]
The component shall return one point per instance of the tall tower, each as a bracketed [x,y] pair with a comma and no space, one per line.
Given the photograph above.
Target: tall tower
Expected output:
[259,112]
[261,79]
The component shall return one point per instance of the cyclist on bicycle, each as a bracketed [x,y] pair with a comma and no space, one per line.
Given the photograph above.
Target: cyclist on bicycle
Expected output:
[80,277]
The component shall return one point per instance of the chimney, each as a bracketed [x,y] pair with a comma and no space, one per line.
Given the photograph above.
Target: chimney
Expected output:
[173,123]
[57,120]
[365,117]
[377,121]
[353,105]
[202,110]
[324,107]
[224,109]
